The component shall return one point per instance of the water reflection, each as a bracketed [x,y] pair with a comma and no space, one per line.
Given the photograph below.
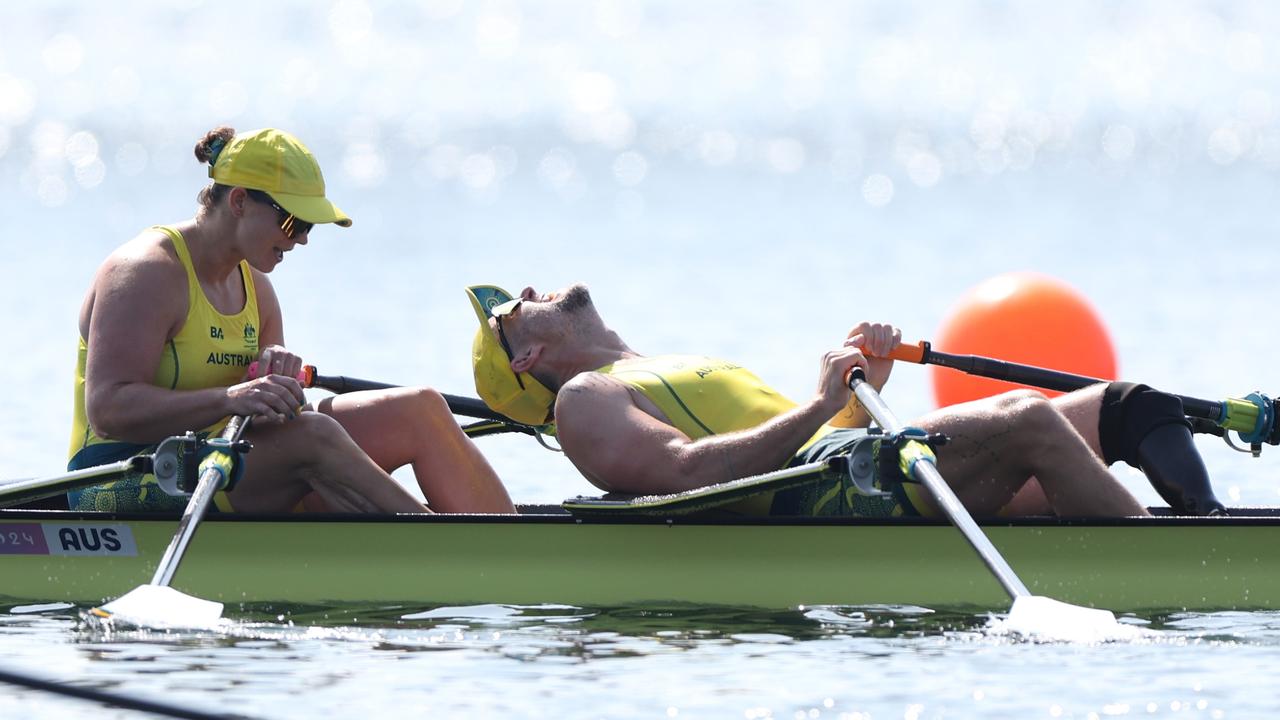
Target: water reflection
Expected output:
[835,661]
[558,630]
[588,633]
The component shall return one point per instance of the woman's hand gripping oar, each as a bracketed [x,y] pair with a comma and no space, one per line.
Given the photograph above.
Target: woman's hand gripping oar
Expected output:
[1033,616]
[157,603]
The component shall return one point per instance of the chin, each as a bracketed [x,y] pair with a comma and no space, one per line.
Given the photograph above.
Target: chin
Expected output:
[264,266]
[575,297]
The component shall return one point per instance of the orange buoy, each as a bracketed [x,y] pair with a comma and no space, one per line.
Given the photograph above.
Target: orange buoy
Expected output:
[1025,318]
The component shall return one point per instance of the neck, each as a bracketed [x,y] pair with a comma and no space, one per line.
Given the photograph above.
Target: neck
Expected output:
[213,252]
[585,354]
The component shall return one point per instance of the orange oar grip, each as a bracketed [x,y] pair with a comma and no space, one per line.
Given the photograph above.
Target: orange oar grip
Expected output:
[306,377]
[910,353]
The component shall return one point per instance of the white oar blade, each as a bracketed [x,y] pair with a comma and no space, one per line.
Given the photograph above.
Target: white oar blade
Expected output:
[160,605]
[1044,619]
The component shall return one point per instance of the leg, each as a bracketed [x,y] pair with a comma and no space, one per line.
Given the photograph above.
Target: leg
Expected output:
[1081,410]
[1030,500]
[997,444]
[415,426]
[1148,430]
[313,453]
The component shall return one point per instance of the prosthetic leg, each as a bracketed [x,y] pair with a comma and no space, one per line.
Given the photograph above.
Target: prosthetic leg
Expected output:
[1148,430]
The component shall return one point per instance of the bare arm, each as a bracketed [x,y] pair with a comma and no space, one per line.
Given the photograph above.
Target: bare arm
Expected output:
[620,447]
[138,303]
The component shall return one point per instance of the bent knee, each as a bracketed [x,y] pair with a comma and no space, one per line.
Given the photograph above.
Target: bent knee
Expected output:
[1035,417]
[1027,406]
[424,407]
[309,440]
[1022,399]
[429,401]
[316,427]
[412,409]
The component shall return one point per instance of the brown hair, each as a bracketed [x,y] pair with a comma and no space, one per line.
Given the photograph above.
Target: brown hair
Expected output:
[207,150]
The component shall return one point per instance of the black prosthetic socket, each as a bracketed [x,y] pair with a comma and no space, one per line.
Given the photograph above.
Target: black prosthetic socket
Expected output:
[1169,459]
[1148,430]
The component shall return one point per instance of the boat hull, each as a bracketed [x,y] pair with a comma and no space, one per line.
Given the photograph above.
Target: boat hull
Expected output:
[1123,565]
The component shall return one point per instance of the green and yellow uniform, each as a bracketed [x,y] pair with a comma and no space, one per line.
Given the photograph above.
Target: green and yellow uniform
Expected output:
[210,350]
[703,396]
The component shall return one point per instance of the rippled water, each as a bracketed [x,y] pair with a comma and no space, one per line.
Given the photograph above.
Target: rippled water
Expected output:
[743,179]
[556,661]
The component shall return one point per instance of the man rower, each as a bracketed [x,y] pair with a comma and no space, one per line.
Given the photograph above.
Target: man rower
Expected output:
[661,424]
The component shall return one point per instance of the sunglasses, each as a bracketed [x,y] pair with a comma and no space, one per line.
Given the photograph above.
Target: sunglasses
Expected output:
[502,339]
[288,223]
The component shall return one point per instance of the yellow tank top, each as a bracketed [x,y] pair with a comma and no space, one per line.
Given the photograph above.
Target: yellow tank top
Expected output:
[210,350]
[704,396]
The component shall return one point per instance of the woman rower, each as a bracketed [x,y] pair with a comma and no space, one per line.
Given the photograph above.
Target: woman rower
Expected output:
[173,320]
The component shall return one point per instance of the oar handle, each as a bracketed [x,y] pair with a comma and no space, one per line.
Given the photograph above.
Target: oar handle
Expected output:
[304,377]
[911,353]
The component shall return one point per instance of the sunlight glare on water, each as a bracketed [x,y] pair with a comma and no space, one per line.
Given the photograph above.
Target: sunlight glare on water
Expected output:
[746,181]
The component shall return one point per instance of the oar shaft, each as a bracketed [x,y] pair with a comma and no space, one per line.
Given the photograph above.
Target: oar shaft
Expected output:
[922,353]
[32,489]
[458,405]
[196,508]
[109,698]
[951,506]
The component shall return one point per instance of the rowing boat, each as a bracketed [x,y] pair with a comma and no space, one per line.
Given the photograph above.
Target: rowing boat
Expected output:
[674,549]
[547,555]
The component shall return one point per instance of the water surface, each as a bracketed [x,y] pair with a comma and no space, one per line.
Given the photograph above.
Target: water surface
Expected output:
[745,180]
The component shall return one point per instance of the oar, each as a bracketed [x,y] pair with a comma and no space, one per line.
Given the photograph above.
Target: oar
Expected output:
[1253,417]
[19,492]
[310,377]
[110,698]
[157,602]
[1031,615]
[458,405]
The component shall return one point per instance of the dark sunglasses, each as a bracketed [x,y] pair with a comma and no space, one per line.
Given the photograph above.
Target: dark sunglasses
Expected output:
[506,347]
[288,223]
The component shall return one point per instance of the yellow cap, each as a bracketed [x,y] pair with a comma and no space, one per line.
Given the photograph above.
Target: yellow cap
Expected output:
[495,381]
[278,164]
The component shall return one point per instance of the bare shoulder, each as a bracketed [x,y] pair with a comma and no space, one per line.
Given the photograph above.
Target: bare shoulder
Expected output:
[589,390]
[588,402]
[614,442]
[142,278]
[147,258]
[594,426]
